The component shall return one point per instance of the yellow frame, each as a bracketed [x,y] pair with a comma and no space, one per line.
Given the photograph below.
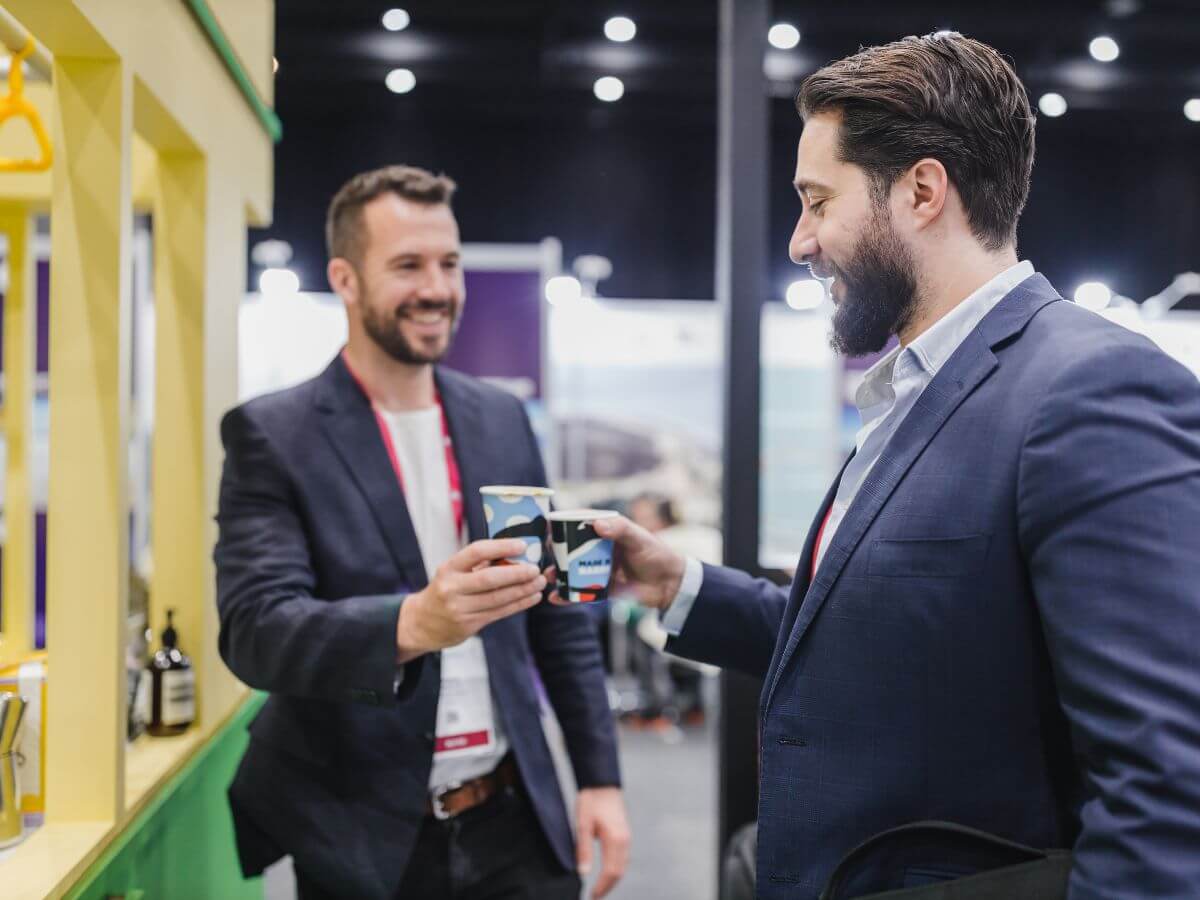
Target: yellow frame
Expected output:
[126,129]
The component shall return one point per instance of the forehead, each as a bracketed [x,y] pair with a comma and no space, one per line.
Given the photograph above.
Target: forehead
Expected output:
[395,225]
[817,157]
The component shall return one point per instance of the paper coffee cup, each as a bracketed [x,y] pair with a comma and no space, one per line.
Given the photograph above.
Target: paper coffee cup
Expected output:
[518,511]
[583,558]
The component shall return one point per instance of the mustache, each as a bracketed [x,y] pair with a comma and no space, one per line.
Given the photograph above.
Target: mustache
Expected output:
[823,270]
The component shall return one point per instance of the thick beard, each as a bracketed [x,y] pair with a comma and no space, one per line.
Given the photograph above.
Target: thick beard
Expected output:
[384,329]
[879,290]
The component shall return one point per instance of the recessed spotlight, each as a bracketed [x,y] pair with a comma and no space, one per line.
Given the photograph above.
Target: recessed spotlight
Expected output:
[609,88]
[783,36]
[396,19]
[400,81]
[1191,109]
[1052,105]
[1104,49]
[620,29]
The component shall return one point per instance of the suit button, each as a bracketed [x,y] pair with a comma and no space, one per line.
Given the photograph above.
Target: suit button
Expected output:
[428,736]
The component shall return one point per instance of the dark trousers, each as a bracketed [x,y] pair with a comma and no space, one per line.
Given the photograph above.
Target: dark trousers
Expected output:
[496,851]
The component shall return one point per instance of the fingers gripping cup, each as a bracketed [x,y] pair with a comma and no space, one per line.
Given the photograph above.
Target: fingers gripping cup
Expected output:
[515,511]
[583,558]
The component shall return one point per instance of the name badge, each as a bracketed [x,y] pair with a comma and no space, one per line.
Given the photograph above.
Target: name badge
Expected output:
[465,723]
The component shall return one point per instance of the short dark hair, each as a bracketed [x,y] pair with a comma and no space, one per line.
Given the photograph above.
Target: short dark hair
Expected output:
[343,222]
[942,96]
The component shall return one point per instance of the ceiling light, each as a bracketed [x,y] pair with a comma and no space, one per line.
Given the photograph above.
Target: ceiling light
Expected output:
[563,289]
[609,88]
[278,283]
[620,29]
[1052,105]
[1191,109]
[274,64]
[400,81]
[396,19]
[1093,295]
[805,294]
[783,36]
[1104,49]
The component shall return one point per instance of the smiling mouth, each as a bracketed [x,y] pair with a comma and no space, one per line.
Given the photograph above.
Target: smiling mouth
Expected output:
[426,315]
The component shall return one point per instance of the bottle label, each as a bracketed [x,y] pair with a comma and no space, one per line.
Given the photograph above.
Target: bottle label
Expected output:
[178,696]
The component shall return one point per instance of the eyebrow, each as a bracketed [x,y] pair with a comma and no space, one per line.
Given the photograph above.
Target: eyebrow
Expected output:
[805,187]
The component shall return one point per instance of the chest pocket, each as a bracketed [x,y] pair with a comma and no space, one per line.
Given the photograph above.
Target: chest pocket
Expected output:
[949,557]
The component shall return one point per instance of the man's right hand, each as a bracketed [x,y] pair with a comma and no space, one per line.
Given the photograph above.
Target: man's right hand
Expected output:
[465,594]
[649,566]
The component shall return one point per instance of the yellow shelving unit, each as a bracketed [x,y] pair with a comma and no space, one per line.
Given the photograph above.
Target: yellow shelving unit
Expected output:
[163,106]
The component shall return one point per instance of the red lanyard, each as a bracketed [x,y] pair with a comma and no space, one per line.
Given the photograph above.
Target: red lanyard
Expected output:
[452,473]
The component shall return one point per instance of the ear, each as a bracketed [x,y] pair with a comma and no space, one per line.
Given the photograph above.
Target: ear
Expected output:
[929,186]
[343,279]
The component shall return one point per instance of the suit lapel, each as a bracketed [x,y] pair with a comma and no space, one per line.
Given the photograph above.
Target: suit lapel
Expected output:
[349,424]
[464,419]
[966,369]
[803,576]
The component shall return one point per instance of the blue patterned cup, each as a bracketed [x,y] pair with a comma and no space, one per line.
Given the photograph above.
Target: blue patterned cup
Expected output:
[516,511]
[583,558]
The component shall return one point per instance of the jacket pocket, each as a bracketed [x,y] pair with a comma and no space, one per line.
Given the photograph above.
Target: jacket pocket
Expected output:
[949,557]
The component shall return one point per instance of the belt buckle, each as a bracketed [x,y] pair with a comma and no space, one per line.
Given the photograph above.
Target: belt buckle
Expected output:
[435,800]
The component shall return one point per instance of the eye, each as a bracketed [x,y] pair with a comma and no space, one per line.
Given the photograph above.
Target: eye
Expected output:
[450,265]
[816,206]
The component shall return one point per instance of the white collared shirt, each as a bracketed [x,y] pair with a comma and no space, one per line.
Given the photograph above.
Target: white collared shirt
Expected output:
[888,391]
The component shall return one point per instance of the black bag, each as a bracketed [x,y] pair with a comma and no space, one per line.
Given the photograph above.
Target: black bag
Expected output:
[945,861]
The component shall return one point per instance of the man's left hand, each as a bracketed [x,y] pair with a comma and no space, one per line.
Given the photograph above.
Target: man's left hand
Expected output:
[600,814]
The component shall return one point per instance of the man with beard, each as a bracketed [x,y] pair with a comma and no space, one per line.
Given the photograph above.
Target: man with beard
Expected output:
[400,752]
[994,622]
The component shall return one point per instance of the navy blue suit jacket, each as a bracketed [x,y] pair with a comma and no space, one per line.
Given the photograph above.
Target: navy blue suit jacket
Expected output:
[1005,629]
[315,557]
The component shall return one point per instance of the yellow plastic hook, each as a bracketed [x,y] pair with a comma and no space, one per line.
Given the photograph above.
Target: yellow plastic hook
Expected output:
[15,104]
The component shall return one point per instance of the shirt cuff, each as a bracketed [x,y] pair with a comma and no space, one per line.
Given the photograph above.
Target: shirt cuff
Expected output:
[675,616]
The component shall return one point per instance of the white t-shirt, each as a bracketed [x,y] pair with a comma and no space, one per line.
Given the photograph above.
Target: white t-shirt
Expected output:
[465,706]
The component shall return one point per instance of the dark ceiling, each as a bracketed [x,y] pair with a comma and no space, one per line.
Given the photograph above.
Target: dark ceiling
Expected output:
[504,104]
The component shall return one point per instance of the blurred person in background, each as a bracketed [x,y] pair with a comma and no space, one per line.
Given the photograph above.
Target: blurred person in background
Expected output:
[669,690]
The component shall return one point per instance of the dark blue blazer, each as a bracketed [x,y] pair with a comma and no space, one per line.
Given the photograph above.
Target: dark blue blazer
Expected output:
[315,557]
[1005,629]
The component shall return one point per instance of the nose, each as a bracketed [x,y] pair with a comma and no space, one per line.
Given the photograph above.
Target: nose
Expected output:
[803,247]
[437,284]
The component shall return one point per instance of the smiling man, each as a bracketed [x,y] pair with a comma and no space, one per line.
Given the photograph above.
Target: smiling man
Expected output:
[994,621]
[401,751]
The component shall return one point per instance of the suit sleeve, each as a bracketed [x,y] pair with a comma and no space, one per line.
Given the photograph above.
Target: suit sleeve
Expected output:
[1109,513]
[274,634]
[733,623]
[566,649]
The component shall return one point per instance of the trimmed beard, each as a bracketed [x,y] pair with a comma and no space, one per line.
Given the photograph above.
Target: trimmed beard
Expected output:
[385,330]
[879,289]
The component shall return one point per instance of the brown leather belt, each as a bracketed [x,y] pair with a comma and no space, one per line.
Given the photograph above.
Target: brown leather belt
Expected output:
[457,799]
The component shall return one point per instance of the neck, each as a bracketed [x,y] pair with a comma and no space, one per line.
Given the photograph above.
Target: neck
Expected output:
[957,273]
[392,385]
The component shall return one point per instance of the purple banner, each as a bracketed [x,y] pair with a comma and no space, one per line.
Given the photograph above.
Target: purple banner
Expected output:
[500,332]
